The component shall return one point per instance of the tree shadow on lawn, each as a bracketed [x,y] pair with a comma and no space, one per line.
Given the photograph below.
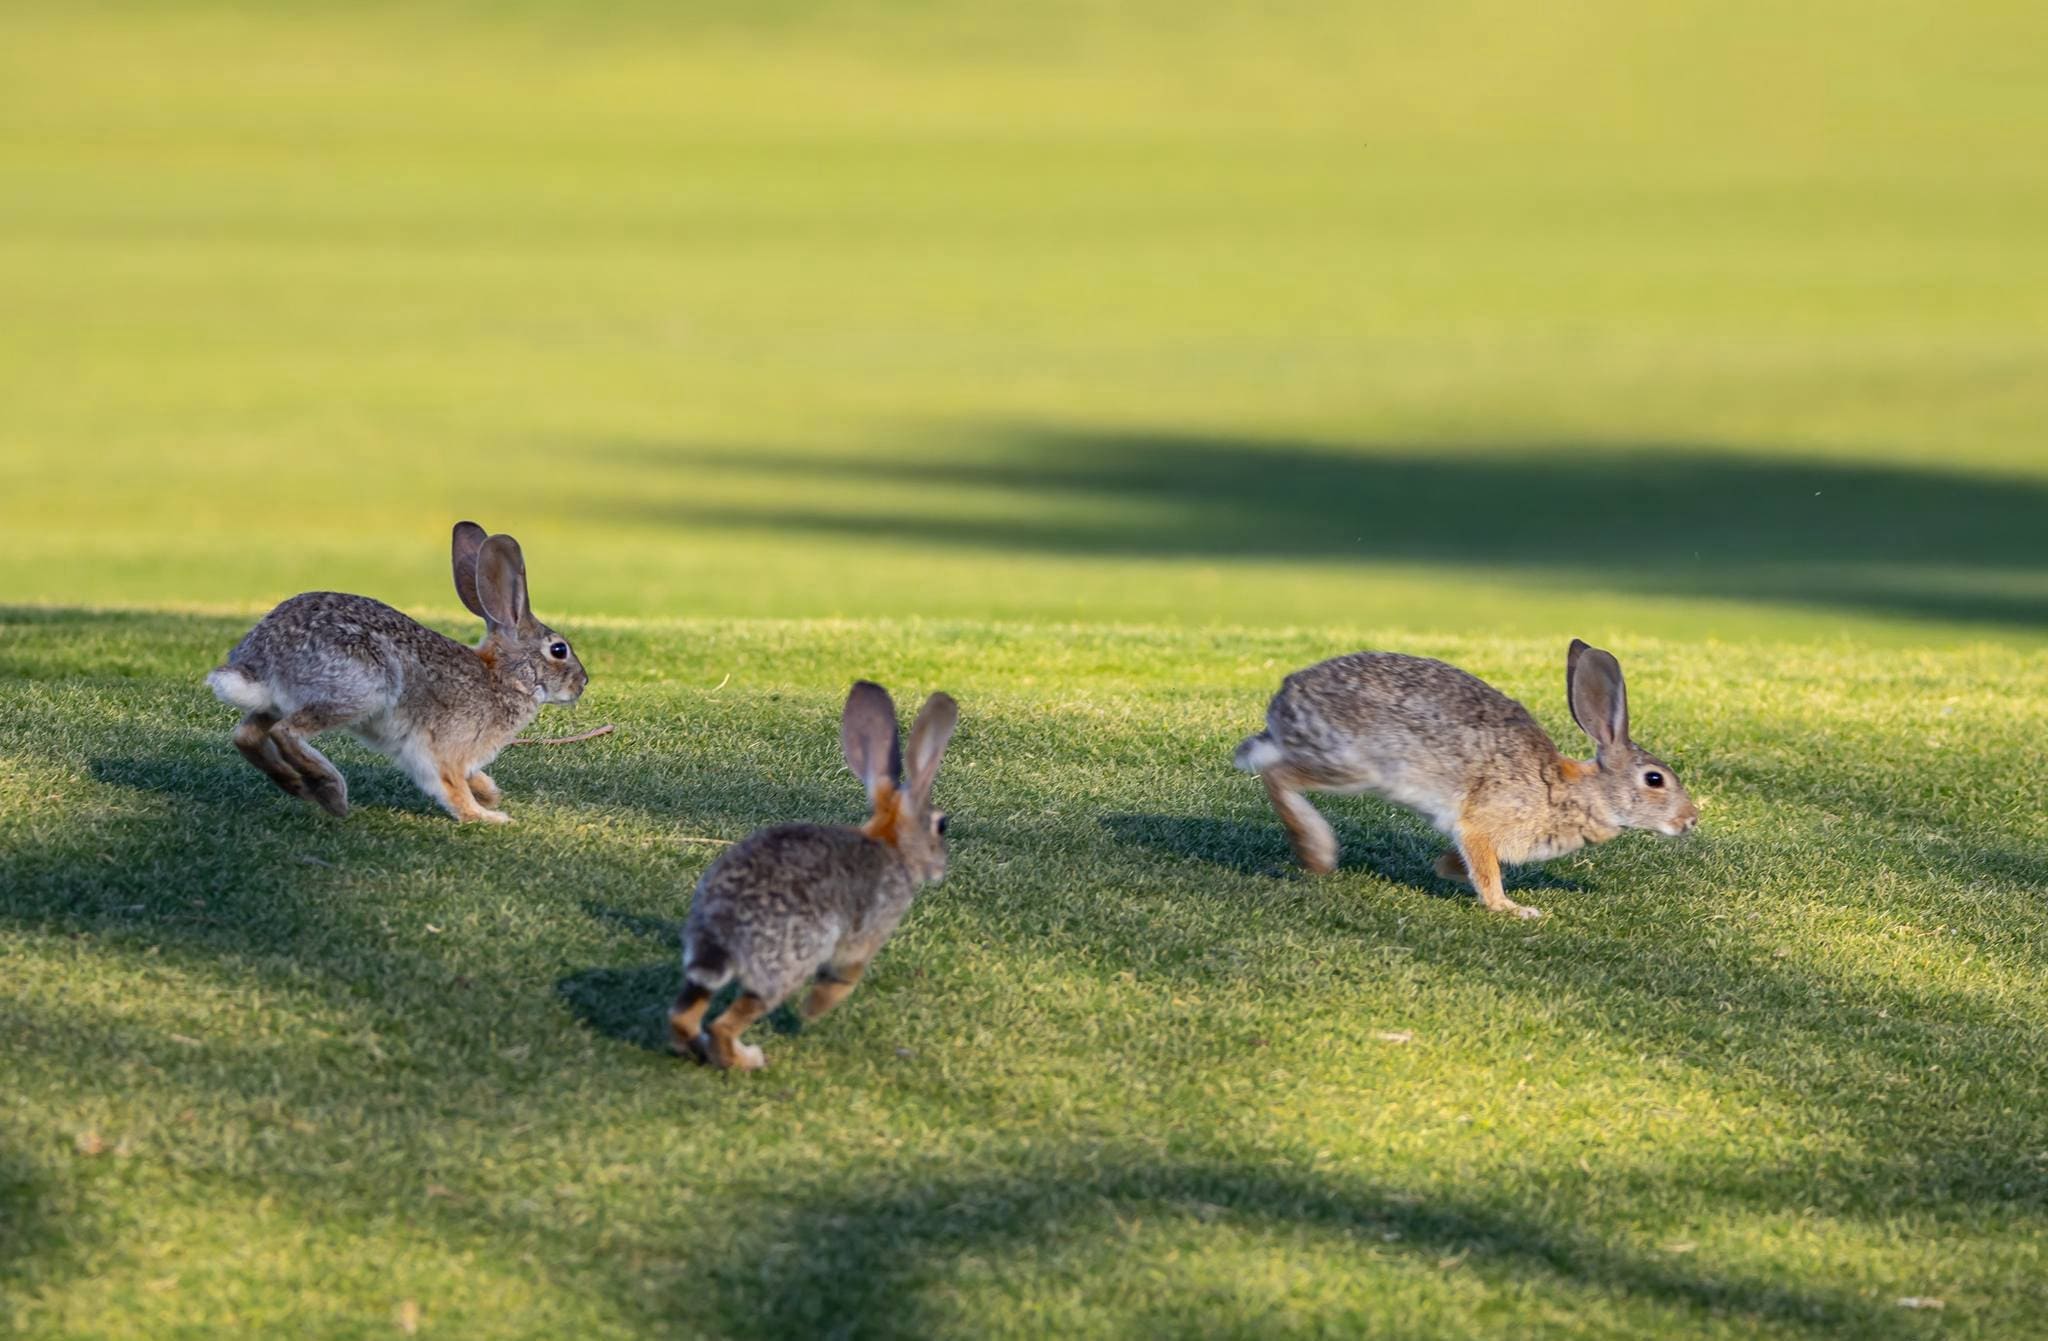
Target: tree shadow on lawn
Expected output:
[200,850]
[845,1251]
[872,1255]
[1998,851]
[228,864]
[1909,1078]
[1978,875]
[212,873]
[33,1242]
[214,860]
[1664,518]
[876,1262]
[1914,1076]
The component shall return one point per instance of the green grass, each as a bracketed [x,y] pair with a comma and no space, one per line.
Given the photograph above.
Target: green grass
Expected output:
[1099,364]
[1458,316]
[1124,1071]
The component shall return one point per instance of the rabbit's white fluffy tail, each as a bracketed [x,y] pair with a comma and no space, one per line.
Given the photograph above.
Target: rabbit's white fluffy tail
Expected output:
[1257,753]
[237,690]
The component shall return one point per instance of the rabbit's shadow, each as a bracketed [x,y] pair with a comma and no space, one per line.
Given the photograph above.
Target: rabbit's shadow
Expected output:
[631,1004]
[372,781]
[1397,856]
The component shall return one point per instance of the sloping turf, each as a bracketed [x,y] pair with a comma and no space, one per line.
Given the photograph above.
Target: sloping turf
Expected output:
[1099,364]
[1124,1071]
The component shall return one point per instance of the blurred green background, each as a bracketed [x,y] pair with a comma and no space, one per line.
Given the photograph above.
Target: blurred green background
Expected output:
[1703,320]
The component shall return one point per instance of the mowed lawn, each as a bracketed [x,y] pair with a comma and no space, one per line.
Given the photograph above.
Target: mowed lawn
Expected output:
[1125,1071]
[1099,365]
[1681,319]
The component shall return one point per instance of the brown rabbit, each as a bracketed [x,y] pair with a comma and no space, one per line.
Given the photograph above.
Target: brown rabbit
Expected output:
[325,661]
[1464,756]
[814,903]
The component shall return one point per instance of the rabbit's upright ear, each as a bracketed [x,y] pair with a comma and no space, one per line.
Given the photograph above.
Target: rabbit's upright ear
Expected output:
[469,541]
[867,732]
[928,741]
[1599,699]
[501,583]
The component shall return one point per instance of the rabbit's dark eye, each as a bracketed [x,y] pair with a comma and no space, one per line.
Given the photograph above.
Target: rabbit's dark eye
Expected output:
[559,651]
[1653,779]
[939,825]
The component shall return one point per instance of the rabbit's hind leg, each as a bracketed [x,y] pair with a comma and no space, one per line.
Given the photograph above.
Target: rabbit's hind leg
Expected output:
[1315,842]
[323,781]
[832,986]
[707,966]
[485,790]
[686,1020]
[253,740]
[724,1034]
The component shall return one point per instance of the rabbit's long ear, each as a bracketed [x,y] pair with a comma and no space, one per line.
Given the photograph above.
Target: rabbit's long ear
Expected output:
[469,540]
[928,740]
[501,583]
[867,732]
[1599,699]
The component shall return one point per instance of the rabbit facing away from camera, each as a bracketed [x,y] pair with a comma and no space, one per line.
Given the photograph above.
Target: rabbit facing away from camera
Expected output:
[325,661]
[1464,756]
[813,903]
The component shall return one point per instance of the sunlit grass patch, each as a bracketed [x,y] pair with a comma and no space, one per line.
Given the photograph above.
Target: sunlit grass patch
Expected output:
[1126,1068]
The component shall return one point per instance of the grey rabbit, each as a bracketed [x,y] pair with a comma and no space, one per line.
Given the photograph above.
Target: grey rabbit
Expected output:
[798,903]
[324,661]
[1466,757]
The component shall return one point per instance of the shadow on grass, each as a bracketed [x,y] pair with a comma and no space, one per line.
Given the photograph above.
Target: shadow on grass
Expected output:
[1666,518]
[1261,849]
[717,796]
[32,1241]
[371,784]
[630,1005]
[1236,845]
[1928,1095]
[877,1263]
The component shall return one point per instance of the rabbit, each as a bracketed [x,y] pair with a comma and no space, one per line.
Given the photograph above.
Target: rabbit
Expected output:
[442,711]
[800,903]
[1464,756]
